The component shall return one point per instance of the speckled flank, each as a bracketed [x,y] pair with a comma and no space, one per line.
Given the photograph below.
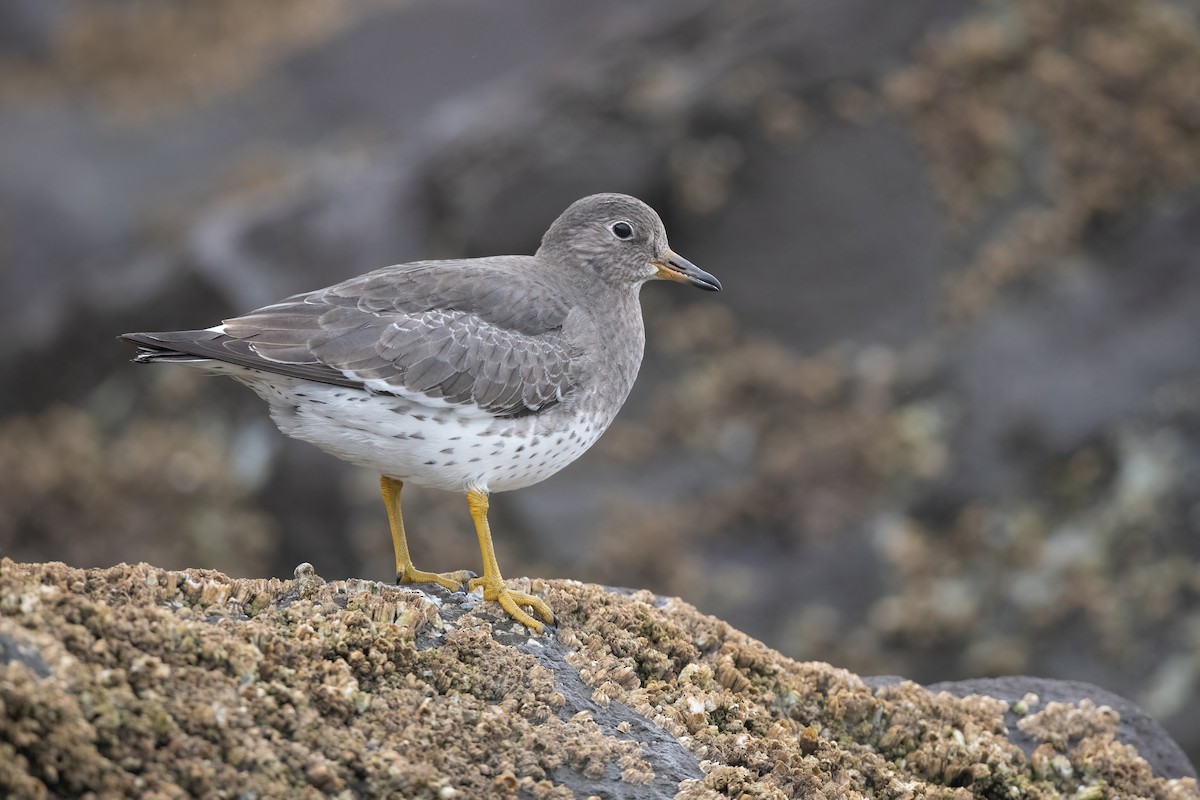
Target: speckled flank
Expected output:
[451,448]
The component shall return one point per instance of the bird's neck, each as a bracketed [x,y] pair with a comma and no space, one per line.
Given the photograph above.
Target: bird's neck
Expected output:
[624,335]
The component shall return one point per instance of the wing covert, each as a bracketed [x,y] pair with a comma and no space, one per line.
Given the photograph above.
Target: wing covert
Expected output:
[497,345]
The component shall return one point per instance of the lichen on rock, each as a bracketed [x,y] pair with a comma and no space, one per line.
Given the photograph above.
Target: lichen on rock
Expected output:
[141,681]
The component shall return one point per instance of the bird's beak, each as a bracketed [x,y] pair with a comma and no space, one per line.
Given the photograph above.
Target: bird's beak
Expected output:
[673,267]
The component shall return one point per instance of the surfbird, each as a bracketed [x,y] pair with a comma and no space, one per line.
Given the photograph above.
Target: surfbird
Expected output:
[472,375]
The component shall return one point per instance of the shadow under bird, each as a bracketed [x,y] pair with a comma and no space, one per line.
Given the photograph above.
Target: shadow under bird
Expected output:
[472,375]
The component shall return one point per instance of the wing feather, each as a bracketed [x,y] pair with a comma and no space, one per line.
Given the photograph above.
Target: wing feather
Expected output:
[461,333]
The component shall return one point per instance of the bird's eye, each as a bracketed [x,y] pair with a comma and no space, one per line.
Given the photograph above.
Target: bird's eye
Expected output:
[622,230]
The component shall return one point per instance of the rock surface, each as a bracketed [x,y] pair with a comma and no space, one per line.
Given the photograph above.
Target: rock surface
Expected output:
[139,680]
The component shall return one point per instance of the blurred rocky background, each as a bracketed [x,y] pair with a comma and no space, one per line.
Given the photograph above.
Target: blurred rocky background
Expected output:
[944,422]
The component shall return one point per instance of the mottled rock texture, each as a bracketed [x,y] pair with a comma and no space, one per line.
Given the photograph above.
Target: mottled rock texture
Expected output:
[141,681]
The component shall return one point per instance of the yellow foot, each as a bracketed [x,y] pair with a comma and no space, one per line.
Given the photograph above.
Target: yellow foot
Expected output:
[453,581]
[512,601]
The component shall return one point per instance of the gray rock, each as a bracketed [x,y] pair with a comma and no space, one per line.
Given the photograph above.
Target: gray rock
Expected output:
[1137,728]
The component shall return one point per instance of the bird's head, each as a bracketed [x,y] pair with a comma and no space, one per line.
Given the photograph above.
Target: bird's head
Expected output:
[622,240]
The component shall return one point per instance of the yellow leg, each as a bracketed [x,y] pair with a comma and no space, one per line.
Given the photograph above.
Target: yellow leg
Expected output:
[492,582]
[405,571]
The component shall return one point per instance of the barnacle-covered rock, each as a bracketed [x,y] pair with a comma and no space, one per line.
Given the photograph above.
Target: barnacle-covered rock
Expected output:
[141,681]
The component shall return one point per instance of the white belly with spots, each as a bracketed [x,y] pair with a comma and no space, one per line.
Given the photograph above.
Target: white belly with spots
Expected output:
[450,447]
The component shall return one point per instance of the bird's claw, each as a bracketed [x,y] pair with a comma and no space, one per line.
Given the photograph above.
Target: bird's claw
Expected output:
[454,581]
[511,601]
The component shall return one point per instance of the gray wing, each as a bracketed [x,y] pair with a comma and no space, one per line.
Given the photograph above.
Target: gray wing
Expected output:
[456,331]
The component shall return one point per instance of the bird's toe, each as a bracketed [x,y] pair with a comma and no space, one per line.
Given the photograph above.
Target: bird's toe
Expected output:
[454,581]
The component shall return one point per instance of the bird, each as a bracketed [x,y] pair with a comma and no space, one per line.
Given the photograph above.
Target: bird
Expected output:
[472,375]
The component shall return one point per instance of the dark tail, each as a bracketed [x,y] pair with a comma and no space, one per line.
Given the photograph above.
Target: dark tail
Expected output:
[172,345]
[193,346]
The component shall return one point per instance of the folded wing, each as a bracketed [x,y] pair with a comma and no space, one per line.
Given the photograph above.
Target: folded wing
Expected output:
[481,338]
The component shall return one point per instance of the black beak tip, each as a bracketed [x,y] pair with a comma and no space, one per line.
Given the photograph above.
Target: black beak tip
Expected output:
[693,274]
